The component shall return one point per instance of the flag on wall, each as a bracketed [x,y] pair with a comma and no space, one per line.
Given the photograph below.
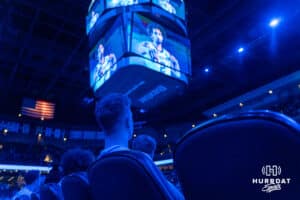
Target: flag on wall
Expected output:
[38,108]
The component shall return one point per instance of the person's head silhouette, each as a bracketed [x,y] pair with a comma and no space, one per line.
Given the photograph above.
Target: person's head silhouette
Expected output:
[144,143]
[114,116]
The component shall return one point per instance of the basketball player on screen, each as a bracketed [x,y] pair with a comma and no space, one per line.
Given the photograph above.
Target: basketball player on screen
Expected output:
[154,50]
[165,4]
[106,64]
[124,2]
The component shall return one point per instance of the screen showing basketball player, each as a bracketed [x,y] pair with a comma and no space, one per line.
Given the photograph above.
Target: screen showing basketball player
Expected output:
[104,56]
[153,42]
[175,7]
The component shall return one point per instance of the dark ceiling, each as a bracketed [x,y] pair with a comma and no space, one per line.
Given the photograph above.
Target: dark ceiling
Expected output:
[44,55]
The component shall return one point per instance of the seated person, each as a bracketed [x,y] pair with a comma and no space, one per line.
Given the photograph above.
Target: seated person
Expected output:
[31,189]
[147,144]
[114,116]
[54,175]
[51,189]
[76,161]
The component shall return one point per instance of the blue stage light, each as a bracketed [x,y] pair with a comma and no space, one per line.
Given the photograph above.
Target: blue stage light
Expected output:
[206,69]
[274,22]
[241,50]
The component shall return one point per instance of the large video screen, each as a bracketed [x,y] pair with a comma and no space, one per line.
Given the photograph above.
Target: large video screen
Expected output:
[163,50]
[104,56]
[175,7]
[95,9]
[118,3]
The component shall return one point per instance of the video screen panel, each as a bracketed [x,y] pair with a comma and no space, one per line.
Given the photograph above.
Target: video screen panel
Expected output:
[119,3]
[168,52]
[95,9]
[175,7]
[104,56]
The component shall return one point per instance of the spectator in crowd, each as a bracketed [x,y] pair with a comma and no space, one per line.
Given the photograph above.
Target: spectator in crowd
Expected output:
[54,175]
[31,189]
[76,160]
[75,163]
[51,189]
[114,116]
[146,144]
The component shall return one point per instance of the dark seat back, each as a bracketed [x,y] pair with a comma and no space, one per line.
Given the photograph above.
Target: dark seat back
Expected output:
[50,191]
[75,187]
[227,158]
[127,175]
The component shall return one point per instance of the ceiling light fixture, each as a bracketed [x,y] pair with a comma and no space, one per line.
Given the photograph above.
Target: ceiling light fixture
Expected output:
[274,22]
[241,50]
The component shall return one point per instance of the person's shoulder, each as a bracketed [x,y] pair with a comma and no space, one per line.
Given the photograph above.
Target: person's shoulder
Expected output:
[178,195]
[112,149]
[147,43]
[52,189]
[23,197]
[81,175]
[173,10]
[23,194]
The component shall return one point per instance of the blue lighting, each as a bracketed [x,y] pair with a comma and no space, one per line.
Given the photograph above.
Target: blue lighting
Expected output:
[163,162]
[241,50]
[206,70]
[24,167]
[142,110]
[274,22]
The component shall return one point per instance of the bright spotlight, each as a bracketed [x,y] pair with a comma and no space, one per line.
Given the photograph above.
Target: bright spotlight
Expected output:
[142,110]
[206,70]
[241,50]
[274,22]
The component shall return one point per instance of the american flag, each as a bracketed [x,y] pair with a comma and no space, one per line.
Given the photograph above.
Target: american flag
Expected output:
[38,108]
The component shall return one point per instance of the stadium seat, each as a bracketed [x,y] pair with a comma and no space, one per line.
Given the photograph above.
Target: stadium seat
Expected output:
[75,187]
[127,175]
[236,156]
[50,191]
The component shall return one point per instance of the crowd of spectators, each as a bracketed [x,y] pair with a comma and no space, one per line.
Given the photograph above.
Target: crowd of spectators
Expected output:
[114,116]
